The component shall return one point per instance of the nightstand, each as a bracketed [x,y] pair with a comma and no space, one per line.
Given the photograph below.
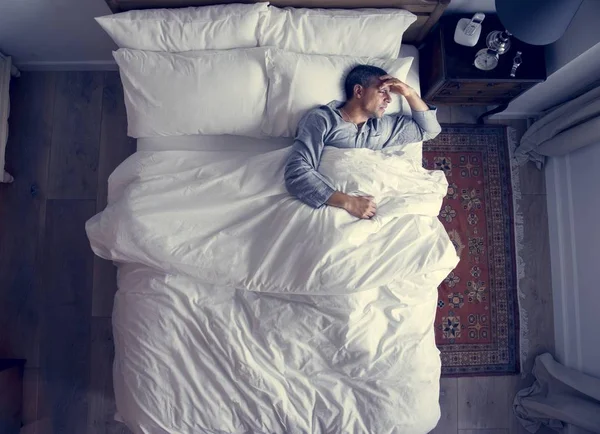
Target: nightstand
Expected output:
[448,75]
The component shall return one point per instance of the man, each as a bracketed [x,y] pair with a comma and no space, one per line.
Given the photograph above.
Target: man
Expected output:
[357,123]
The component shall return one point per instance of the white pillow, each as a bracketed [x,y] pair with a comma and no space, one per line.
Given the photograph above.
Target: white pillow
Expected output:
[219,27]
[300,82]
[342,32]
[210,92]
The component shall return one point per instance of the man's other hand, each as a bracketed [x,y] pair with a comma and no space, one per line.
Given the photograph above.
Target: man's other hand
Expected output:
[362,207]
[396,86]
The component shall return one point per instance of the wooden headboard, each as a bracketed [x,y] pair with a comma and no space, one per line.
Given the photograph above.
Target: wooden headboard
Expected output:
[428,11]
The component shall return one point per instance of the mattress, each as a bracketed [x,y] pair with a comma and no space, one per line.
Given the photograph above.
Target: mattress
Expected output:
[232,144]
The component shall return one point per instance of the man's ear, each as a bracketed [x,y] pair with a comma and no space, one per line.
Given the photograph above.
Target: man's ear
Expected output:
[358,90]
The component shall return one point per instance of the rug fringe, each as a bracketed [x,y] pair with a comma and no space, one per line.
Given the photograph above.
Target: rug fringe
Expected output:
[519,245]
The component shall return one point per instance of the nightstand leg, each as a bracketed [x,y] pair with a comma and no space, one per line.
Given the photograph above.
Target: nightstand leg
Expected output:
[498,109]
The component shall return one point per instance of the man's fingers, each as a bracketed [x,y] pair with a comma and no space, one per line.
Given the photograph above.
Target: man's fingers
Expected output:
[370,209]
[371,199]
[389,82]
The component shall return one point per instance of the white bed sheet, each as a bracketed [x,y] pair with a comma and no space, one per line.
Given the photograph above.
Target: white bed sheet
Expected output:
[251,145]
[325,353]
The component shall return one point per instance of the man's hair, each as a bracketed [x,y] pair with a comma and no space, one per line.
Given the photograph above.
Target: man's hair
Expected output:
[363,75]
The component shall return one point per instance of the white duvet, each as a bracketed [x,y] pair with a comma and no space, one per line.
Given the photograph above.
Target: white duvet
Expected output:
[241,310]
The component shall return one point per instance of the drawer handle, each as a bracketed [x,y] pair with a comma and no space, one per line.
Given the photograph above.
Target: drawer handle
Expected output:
[490,84]
[479,92]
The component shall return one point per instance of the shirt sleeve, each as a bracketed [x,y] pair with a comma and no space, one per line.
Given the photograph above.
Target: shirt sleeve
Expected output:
[301,176]
[402,129]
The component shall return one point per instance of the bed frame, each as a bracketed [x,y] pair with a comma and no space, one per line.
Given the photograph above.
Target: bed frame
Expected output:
[428,12]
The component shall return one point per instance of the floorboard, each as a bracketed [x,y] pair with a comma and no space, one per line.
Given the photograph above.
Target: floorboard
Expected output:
[102,407]
[484,402]
[115,147]
[31,378]
[448,423]
[76,137]
[65,339]
[22,214]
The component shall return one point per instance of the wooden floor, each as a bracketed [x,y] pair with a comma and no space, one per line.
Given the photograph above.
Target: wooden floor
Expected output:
[67,133]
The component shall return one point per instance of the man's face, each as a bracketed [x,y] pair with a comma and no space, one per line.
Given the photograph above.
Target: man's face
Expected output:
[375,99]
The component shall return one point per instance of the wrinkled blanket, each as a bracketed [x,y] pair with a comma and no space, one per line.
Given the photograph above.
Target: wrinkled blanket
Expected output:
[244,310]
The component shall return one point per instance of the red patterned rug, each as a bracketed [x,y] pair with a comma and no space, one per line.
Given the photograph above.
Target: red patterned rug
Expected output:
[477,322]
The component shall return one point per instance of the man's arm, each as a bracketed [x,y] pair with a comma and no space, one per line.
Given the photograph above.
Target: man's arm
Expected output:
[402,129]
[301,176]
[304,181]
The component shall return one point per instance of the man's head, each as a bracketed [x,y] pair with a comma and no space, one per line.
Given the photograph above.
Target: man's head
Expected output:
[362,87]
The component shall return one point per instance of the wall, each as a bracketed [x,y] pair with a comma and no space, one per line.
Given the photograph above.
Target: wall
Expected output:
[582,34]
[572,62]
[573,209]
[42,33]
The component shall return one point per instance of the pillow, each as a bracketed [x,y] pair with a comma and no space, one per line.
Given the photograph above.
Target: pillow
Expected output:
[342,32]
[209,92]
[300,82]
[219,27]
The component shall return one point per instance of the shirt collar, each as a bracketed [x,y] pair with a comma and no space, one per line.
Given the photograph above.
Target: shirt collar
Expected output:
[335,105]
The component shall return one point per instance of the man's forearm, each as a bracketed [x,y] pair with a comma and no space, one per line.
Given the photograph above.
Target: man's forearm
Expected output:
[416,103]
[338,199]
[424,116]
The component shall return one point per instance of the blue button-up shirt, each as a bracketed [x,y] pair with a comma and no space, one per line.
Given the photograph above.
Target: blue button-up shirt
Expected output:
[324,126]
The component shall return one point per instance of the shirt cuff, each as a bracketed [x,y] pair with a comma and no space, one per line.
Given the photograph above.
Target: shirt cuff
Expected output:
[432,110]
[425,116]
[319,197]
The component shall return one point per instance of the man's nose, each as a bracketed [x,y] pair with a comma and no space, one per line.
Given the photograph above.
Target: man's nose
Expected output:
[387,98]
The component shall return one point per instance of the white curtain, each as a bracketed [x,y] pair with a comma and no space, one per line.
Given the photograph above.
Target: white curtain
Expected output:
[559,396]
[6,70]
[568,127]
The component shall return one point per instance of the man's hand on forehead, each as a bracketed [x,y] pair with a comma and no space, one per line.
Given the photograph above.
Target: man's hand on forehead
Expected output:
[394,85]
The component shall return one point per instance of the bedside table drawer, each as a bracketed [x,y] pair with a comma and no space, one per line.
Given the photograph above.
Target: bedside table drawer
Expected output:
[478,92]
[473,88]
[466,100]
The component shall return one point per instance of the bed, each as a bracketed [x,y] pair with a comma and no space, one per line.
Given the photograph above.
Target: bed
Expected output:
[241,310]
